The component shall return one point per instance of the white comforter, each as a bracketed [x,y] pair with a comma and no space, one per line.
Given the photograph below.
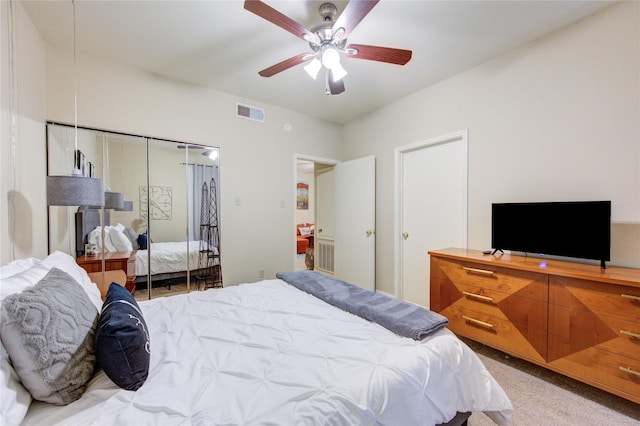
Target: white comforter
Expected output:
[168,257]
[267,353]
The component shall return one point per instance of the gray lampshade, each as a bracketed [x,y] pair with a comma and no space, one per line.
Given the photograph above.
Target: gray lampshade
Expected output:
[74,190]
[113,200]
[127,207]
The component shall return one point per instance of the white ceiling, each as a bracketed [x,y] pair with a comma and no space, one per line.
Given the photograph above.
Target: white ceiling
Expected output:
[221,45]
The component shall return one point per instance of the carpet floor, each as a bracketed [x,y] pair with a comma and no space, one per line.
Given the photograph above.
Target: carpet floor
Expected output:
[543,397]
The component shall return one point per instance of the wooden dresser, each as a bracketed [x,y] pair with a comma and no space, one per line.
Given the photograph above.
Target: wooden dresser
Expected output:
[112,261]
[575,319]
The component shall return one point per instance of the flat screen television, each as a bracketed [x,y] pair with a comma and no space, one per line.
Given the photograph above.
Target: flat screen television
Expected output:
[580,229]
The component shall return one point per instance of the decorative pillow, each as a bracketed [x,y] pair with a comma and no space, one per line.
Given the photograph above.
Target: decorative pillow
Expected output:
[119,240]
[48,331]
[95,237]
[68,264]
[133,237]
[122,340]
[16,277]
[305,230]
[142,241]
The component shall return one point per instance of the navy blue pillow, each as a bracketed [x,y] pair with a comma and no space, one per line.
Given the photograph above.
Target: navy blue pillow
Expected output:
[142,241]
[122,339]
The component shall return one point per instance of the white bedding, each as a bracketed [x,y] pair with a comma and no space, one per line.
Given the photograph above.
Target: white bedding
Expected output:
[267,353]
[168,257]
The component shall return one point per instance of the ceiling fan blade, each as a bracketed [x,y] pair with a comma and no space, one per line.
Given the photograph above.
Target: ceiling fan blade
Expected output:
[285,65]
[381,54]
[265,11]
[353,13]
[335,87]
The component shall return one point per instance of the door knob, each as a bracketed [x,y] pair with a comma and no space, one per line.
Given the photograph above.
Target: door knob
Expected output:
[370,232]
[405,235]
[319,230]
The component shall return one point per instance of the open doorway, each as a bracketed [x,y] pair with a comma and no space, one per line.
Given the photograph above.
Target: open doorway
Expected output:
[306,208]
[305,214]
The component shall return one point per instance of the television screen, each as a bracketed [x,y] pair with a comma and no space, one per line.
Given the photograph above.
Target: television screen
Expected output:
[580,229]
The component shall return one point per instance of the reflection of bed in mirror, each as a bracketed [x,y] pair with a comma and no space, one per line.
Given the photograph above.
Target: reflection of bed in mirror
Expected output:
[170,261]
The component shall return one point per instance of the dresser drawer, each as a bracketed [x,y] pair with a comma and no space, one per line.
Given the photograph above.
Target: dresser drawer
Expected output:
[522,311]
[601,299]
[613,372]
[509,281]
[577,329]
[491,327]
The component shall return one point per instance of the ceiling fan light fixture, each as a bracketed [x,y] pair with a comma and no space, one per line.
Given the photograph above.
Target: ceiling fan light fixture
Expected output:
[330,56]
[313,68]
[338,72]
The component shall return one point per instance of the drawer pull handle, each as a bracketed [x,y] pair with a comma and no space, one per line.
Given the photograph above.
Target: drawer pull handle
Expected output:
[478,322]
[478,296]
[630,333]
[628,296]
[478,271]
[629,370]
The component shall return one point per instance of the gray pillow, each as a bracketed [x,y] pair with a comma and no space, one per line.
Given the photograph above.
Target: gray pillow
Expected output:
[133,237]
[48,331]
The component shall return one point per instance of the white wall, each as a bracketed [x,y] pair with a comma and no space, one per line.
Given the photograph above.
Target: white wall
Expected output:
[23,210]
[255,158]
[557,119]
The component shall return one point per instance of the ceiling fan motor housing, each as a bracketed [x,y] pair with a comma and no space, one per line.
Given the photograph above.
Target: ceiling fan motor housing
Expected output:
[328,11]
[324,30]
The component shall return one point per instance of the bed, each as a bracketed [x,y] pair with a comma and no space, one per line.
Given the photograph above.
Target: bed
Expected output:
[264,353]
[169,260]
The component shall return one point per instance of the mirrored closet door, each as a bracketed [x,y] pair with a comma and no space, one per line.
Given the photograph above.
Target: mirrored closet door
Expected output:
[160,212]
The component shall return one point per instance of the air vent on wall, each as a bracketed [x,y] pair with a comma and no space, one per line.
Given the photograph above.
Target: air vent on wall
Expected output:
[250,112]
[324,256]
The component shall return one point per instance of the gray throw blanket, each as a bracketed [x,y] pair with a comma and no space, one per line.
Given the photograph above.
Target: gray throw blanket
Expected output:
[402,318]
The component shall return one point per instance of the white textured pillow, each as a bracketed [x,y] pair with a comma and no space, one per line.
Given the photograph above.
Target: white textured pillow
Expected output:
[23,280]
[17,266]
[120,241]
[48,331]
[95,237]
[14,398]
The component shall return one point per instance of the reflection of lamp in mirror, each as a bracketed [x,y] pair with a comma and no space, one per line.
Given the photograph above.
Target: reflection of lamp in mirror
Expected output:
[74,189]
[126,207]
[114,200]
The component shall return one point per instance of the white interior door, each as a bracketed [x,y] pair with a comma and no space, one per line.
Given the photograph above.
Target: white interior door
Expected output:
[324,202]
[432,186]
[354,221]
